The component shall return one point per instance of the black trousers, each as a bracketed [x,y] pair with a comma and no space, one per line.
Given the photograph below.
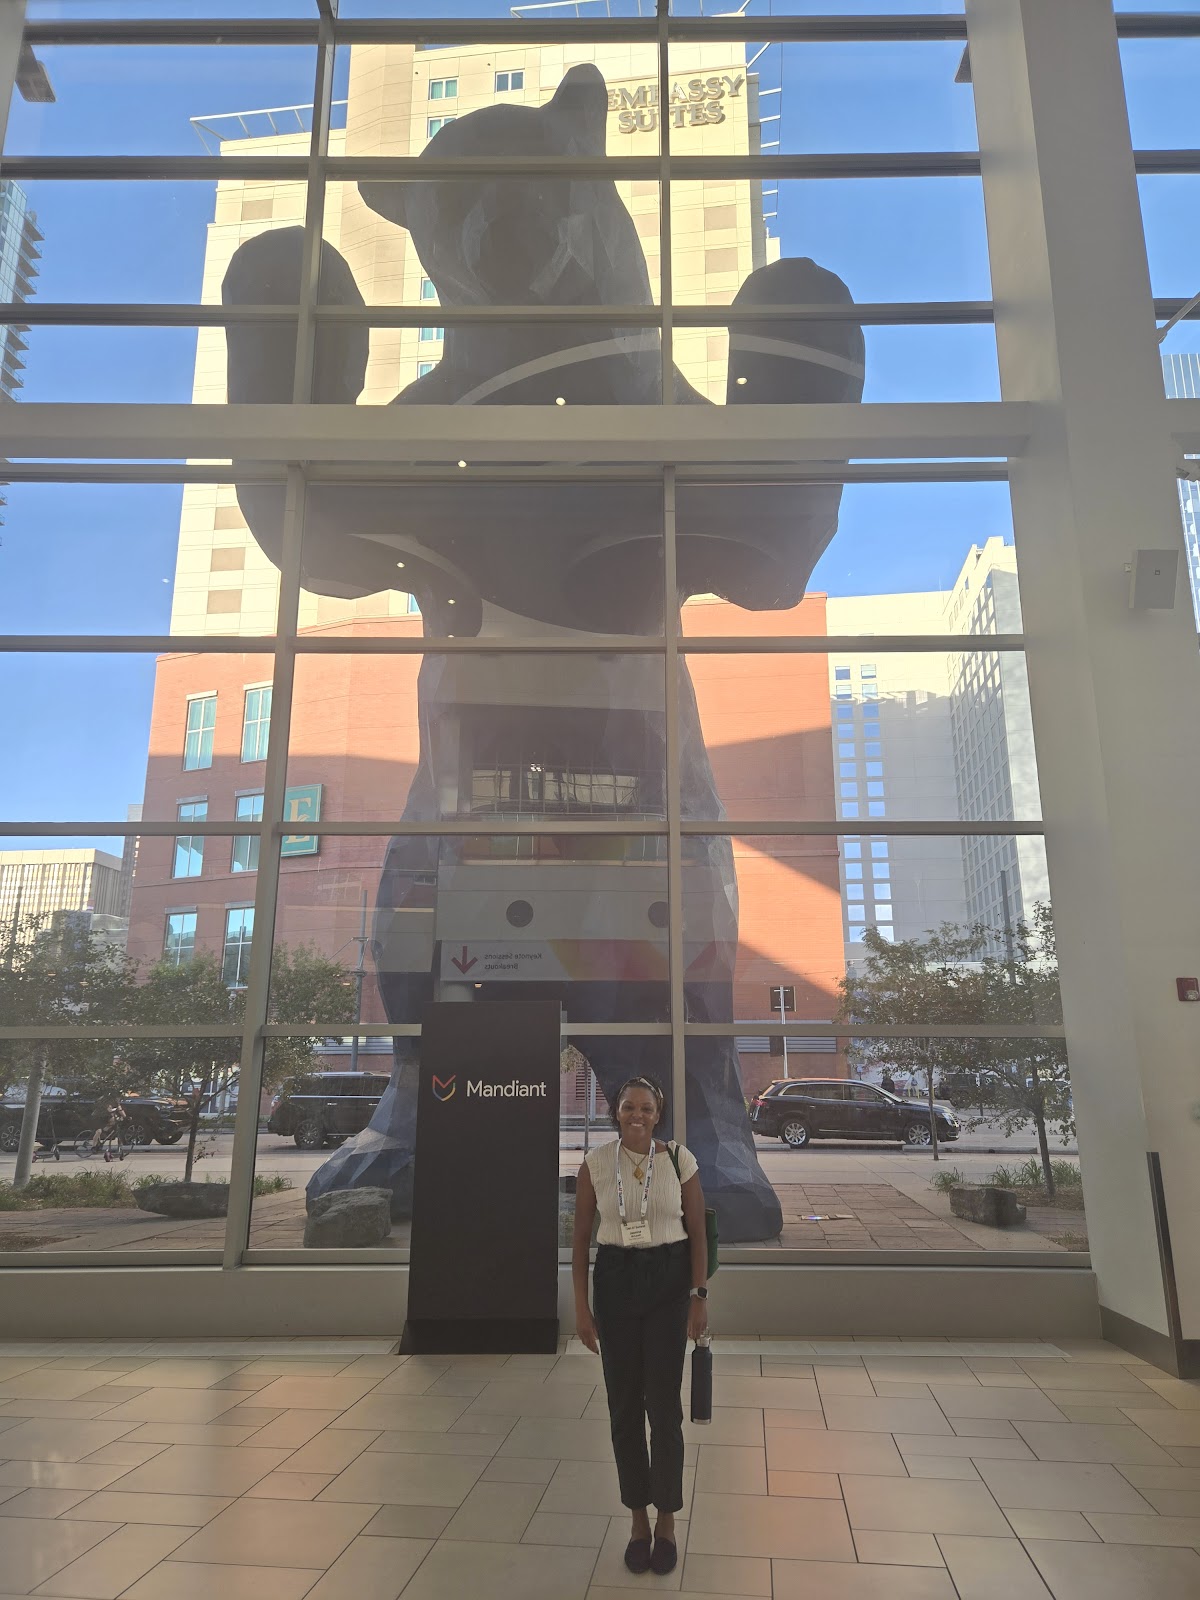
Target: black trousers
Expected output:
[641,1311]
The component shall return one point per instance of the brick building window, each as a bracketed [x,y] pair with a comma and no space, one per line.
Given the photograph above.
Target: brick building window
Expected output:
[256,724]
[249,808]
[198,735]
[189,850]
[239,933]
[179,941]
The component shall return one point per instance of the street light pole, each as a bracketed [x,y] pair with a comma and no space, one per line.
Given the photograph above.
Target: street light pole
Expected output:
[360,971]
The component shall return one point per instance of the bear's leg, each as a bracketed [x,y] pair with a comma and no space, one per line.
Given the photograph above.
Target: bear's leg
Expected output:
[267,271]
[774,362]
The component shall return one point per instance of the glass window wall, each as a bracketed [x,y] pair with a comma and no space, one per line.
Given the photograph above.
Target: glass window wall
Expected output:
[553,717]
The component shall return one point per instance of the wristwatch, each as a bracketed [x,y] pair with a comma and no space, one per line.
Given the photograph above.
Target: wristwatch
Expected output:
[700,1294]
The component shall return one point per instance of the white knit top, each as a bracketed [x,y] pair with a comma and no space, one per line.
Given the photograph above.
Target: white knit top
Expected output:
[664,1211]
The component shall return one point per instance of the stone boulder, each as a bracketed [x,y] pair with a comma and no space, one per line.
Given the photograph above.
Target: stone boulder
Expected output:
[349,1219]
[994,1208]
[184,1201]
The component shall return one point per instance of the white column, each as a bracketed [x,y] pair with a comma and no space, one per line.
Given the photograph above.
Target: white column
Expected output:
[1115,693]
[12,26]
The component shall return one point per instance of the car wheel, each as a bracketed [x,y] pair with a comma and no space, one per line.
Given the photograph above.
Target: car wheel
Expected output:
[10,1137]
[310,1135]
[917,1135]
[169,1138]
[795,1134]
[140,1134]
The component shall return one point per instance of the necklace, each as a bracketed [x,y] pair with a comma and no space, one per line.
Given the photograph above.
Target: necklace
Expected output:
[638,1170]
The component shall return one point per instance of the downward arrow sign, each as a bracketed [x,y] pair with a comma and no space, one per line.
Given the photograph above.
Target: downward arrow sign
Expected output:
[464,966]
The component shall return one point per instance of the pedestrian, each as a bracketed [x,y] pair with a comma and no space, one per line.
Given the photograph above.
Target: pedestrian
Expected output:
[887,1082]
[650,1294]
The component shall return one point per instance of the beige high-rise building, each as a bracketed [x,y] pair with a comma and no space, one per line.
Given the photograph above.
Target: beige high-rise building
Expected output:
[39,886]
[930,737]
[398,98]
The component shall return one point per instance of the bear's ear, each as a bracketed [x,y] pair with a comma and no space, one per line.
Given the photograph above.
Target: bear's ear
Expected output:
[388,199]
[580,104]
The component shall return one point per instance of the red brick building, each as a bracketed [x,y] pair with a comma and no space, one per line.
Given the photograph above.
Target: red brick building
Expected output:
[354,748]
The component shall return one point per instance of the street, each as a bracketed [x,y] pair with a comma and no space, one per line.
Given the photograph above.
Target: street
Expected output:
[976,1154]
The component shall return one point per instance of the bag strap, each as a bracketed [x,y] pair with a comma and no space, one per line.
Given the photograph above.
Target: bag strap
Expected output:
[673,1152]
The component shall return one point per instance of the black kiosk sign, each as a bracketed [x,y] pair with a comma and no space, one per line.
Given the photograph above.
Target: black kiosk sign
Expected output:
[483,1266]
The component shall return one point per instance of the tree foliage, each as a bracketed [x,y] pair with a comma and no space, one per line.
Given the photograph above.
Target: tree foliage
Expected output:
[952,977]
[61,977]
[69,977]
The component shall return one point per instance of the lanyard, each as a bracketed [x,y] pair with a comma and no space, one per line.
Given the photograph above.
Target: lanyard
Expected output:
[645,1186]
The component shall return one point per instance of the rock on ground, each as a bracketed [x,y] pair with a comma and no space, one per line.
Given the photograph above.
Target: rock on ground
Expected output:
[994,1208]
[349,1219]
[184,1201]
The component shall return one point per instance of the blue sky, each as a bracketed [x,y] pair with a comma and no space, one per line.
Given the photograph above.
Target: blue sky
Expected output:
[92,559]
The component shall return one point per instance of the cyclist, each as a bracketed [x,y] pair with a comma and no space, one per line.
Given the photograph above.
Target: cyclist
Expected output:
[114,1126]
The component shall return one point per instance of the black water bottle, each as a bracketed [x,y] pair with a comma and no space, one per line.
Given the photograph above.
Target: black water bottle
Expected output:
[702,1380]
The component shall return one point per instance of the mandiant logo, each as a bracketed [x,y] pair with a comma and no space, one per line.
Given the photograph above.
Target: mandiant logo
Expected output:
[444,1089]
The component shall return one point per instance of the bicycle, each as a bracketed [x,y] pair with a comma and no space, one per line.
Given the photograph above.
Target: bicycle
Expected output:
[84,1145]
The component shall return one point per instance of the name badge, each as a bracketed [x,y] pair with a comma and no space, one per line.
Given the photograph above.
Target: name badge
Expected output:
[635,1234]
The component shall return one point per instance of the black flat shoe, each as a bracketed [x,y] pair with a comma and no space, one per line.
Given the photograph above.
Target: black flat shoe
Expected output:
[664,1557]
[638,1557]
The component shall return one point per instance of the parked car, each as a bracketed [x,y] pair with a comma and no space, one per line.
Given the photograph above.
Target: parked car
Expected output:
[326,1107]
[798,1110]
[65,1116]
[985,1087]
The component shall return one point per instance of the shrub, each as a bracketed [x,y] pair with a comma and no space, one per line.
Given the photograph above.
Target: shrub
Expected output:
[76,1190]
[946,1180]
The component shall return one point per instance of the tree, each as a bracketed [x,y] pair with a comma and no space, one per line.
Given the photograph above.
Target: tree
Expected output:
[188,993]
[952,976]
[1023,988]
[60,977]
[919,982]
[305,988]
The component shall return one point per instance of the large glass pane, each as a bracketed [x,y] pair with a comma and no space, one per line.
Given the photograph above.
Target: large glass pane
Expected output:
[934,227]
[163,100]
[374,929]
[1159,74]
[487,736]
[89,558]
[116,1119]
[120,731]
[817,556]
[913,737]
[479,552]
[846,1143]
[162,241]
[806,97]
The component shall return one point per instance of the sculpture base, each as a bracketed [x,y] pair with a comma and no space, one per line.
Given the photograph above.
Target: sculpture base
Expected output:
[513,1336]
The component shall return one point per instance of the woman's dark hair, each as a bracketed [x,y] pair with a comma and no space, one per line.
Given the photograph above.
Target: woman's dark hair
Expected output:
[638,1083]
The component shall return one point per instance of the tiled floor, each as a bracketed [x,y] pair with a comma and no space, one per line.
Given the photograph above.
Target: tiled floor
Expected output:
[839,1470]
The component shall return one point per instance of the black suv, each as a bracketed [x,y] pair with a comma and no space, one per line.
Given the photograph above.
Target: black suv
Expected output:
[326,1106]
[66,1116]
[798,1110]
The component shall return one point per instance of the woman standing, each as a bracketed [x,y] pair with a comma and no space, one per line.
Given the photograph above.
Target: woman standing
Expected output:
[650,1292]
